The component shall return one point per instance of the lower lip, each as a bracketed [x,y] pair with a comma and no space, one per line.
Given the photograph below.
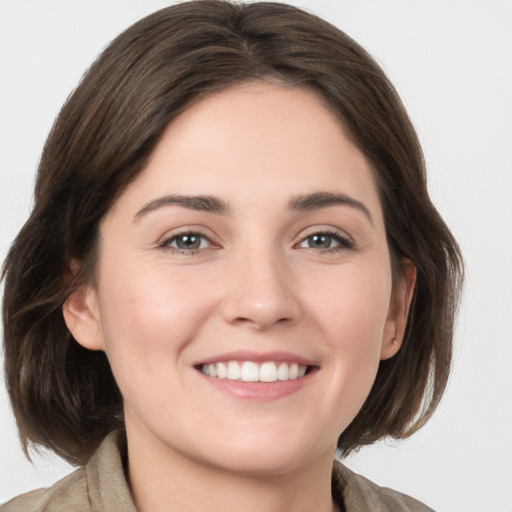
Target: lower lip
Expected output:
[264,391]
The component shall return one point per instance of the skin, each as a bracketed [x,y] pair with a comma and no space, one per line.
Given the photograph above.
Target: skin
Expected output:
[256,283]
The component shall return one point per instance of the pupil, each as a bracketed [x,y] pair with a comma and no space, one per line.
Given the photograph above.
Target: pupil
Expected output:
[188,242]
[322,241]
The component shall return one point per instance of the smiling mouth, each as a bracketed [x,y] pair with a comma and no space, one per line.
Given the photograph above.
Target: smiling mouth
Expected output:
[250,371]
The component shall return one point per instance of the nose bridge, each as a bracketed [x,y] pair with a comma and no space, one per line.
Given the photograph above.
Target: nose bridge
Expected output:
[261,289]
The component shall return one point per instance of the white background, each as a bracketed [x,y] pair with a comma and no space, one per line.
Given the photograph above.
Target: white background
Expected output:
[451,61]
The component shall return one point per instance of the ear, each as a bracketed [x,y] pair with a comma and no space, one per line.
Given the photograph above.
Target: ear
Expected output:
[401,297]
[82,317]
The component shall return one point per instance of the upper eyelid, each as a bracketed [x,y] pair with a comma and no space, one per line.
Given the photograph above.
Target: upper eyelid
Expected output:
[166,241]
[184,233]
[326,230]
[187,230]
[342,241]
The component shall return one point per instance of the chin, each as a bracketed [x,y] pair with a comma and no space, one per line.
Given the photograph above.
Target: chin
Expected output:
[261,465]
[268,457]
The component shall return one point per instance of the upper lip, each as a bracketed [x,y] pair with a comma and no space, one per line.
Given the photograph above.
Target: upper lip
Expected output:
[257,357]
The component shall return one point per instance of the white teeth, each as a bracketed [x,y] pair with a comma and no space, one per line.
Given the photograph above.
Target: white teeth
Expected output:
[268,372]
[249,371]
[222,371]
[283,373]
[233,370]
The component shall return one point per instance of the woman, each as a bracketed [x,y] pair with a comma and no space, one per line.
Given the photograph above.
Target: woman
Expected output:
[232,269]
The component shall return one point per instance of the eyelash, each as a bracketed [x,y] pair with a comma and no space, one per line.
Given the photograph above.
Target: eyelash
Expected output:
[343,242]
[165,244]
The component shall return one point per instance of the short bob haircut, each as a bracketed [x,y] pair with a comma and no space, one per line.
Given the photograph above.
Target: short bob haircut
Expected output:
[64,397]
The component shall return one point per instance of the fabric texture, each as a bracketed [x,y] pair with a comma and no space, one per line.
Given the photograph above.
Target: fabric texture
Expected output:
[100,486]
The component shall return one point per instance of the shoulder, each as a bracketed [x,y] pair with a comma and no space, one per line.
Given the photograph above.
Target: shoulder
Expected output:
[67,494]
[360,494]
[99,485]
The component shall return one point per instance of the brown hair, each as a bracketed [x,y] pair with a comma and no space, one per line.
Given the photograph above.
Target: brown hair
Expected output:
[64,397]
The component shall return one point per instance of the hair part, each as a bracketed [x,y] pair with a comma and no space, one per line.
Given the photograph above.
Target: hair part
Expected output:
[64,397]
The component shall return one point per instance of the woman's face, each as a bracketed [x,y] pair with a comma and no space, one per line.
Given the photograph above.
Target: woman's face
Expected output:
[251,249]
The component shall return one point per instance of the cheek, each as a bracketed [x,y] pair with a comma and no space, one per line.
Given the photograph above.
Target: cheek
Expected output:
[353,305]
[348,309]
[351,313]
[149,315]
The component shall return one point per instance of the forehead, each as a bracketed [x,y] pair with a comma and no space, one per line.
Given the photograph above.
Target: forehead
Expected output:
[256,141]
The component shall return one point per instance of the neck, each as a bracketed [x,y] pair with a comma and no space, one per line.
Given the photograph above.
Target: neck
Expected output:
[164,480]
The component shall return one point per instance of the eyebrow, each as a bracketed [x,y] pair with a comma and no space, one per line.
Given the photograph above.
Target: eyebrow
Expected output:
[318,200]
[210,204]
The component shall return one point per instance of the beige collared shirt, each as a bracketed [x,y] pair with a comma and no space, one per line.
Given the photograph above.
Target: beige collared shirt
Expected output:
[100,486]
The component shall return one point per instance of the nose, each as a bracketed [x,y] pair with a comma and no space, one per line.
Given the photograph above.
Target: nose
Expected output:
[260,292]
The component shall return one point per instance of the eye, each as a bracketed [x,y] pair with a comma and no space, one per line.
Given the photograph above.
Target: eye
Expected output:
[326,241]
[186,242]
